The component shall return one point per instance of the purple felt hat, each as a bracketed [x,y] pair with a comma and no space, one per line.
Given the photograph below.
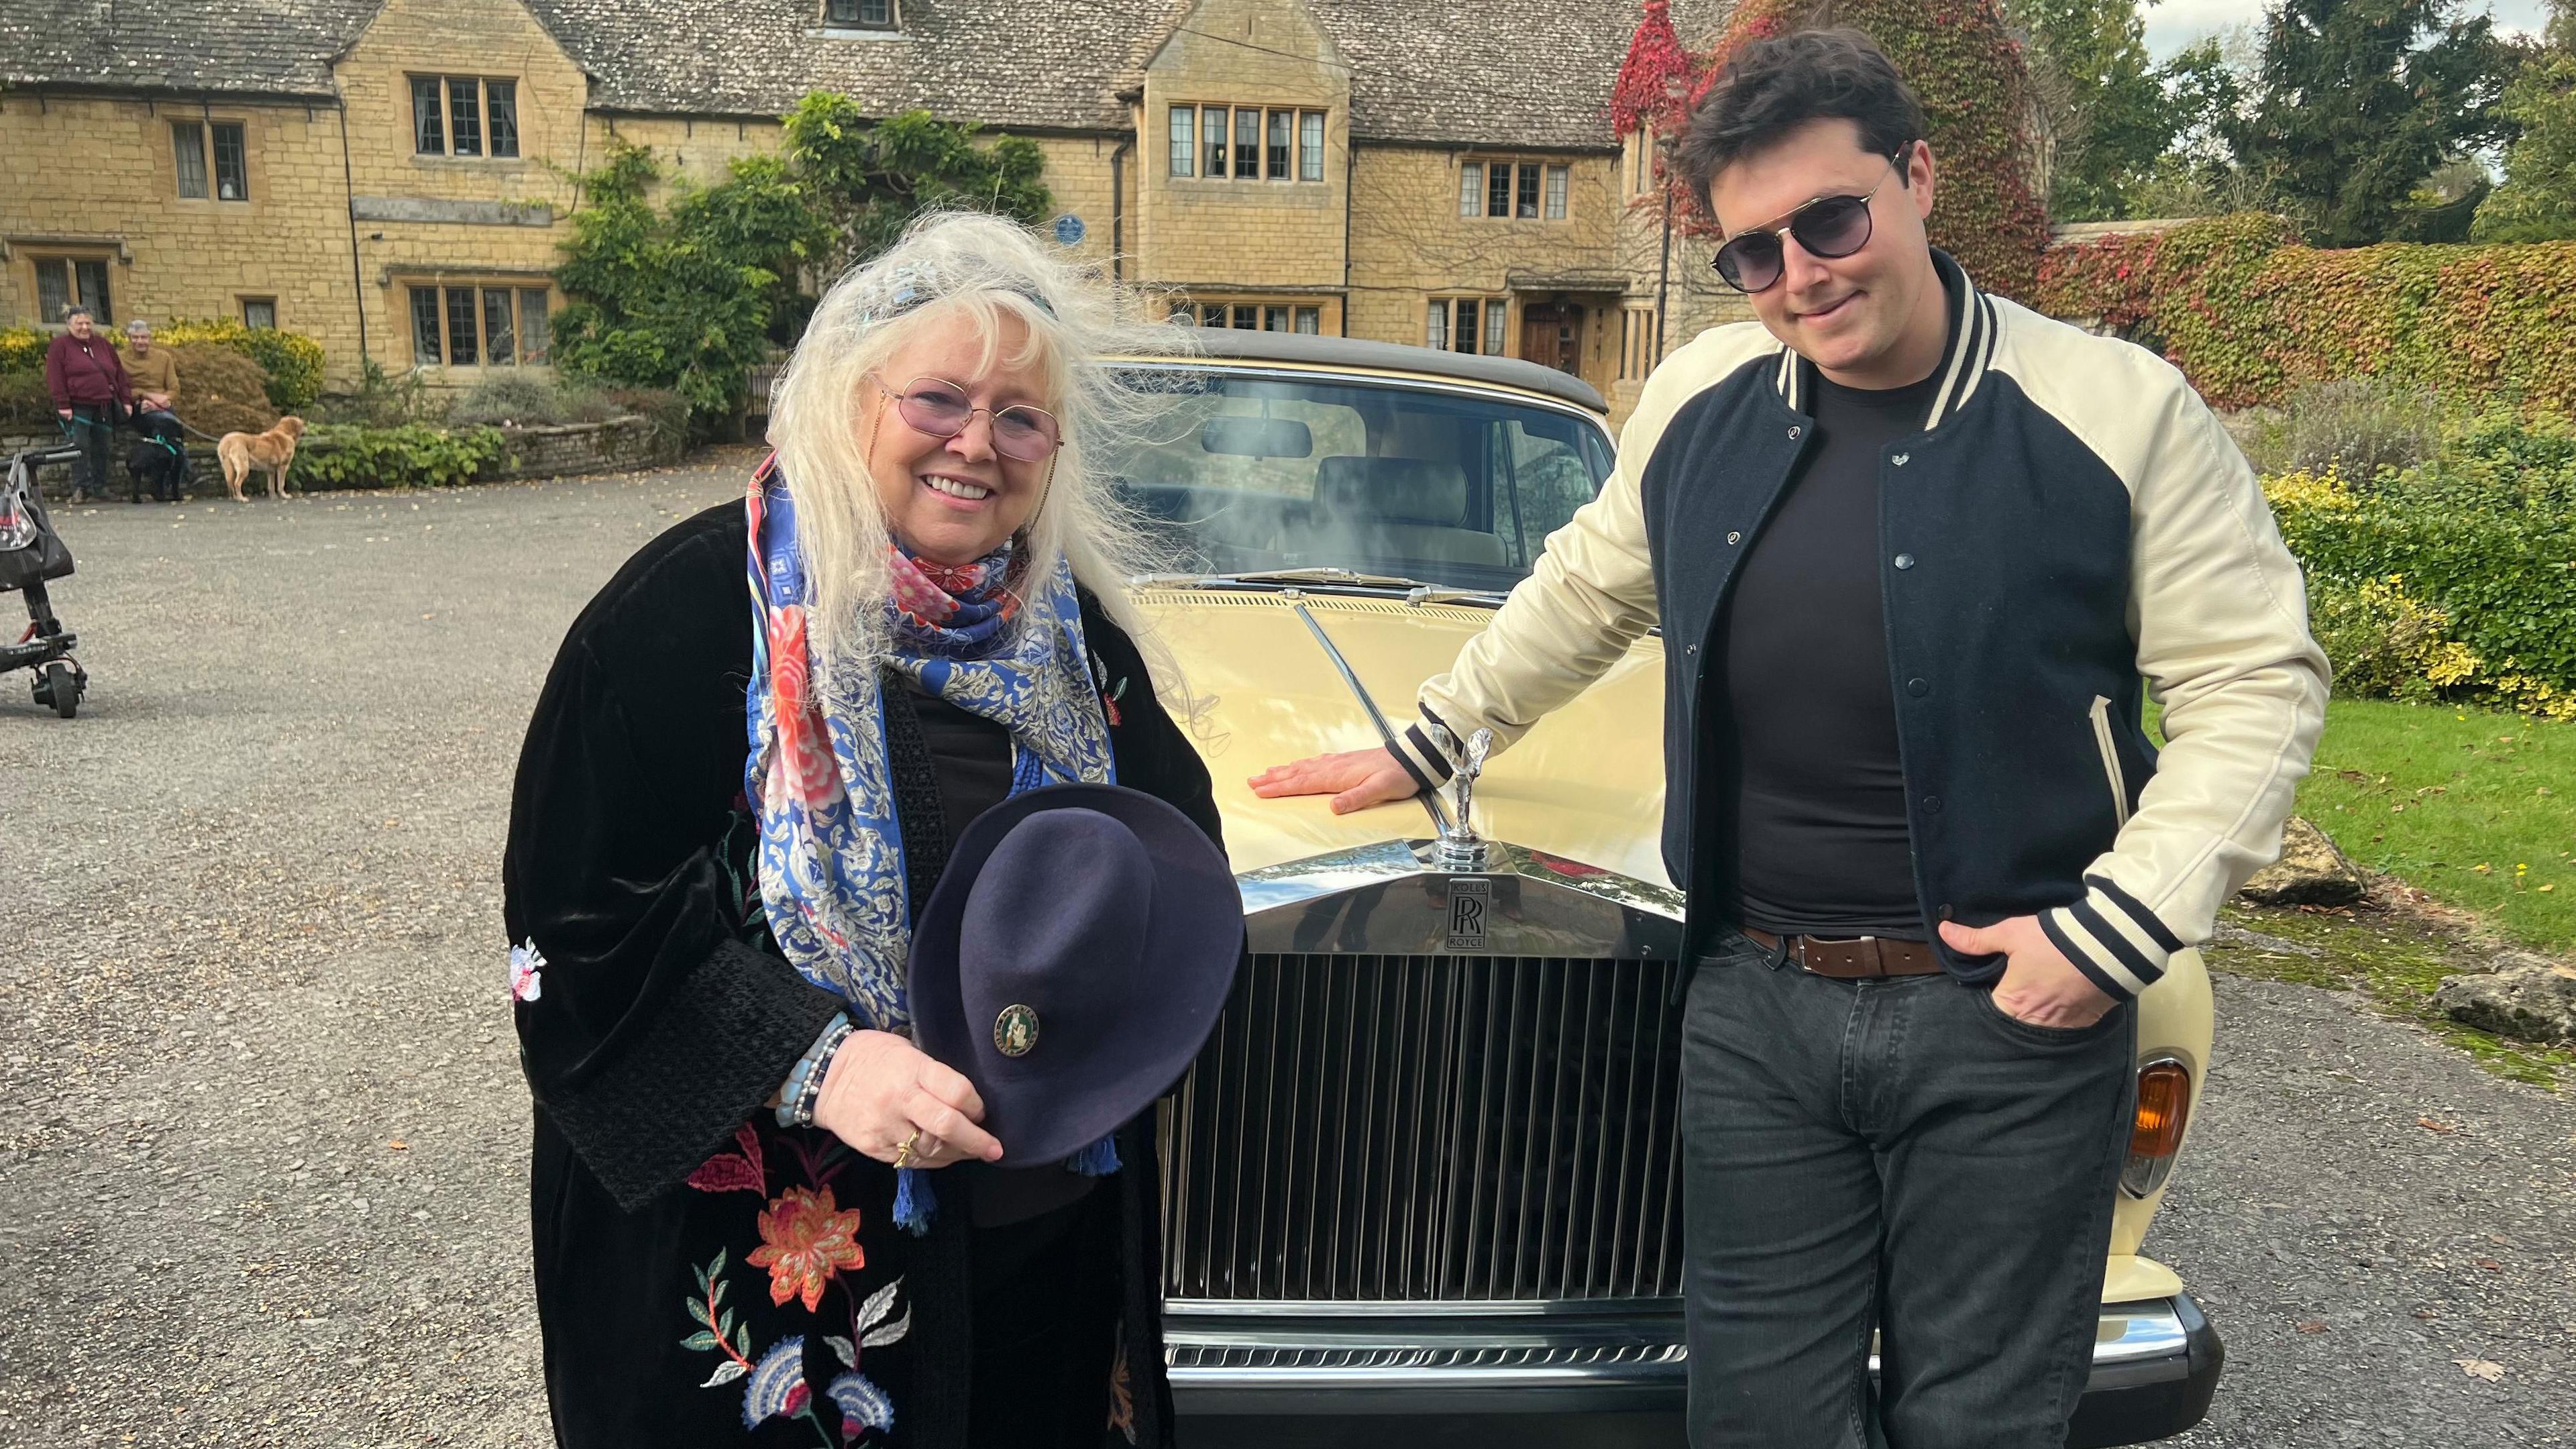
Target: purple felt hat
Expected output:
[1072,961]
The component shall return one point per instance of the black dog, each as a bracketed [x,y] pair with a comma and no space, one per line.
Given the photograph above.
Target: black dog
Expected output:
[159,459]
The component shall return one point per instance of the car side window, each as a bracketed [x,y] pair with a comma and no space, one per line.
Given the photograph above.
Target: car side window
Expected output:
[1540,479]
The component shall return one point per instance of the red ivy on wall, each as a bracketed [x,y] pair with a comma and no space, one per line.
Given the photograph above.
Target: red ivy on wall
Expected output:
[1964,65]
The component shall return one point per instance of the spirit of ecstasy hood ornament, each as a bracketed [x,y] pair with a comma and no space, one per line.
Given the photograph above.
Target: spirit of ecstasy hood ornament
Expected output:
[1460,847]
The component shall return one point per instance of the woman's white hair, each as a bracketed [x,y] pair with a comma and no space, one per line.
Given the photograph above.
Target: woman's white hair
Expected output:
[964,269]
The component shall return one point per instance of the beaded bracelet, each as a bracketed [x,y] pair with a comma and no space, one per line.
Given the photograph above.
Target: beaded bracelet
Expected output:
[805,1083]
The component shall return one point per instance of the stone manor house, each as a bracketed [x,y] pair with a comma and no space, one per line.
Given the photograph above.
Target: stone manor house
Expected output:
[392,177]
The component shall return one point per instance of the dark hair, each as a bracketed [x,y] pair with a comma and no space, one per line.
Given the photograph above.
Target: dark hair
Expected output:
[1772,87]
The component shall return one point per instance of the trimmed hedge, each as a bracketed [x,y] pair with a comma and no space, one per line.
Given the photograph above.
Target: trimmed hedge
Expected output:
[2475,549]
[2248,314]
[291,361]
[411,456]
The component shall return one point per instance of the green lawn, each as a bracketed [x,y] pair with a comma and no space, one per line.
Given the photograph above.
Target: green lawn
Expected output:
[2474,807]
[2477,809]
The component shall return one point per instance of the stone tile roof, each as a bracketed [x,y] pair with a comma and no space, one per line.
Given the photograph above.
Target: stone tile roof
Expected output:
[241,47]
[1492,72]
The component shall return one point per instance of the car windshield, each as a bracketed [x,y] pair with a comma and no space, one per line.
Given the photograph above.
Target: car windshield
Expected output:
[1253,474]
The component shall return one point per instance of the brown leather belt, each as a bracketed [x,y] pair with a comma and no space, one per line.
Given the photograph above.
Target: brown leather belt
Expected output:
[1859,958]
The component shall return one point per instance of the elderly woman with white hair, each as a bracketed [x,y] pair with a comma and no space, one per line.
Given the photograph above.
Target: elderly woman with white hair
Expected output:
[749,761]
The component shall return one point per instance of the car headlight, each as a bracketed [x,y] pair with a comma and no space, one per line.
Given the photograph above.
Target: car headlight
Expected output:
[2164,1110]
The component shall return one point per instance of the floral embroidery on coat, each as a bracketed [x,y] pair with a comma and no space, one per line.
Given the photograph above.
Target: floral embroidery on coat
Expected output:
[810,1245]
[803,1243]
[527,971]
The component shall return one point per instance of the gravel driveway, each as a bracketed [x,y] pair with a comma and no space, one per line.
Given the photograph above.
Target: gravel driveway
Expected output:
[261,1172]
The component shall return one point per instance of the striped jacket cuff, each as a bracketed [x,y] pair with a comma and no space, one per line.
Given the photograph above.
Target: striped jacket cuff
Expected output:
[1421,758]
[2112,938]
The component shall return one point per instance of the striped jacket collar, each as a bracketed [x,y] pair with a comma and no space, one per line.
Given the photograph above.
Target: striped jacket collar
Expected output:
[1971,351]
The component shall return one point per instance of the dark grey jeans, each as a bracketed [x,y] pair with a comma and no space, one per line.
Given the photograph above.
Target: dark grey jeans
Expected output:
[1897,1155]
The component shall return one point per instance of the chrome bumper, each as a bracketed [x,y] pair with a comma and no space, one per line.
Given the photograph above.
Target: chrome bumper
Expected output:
[2153,1362]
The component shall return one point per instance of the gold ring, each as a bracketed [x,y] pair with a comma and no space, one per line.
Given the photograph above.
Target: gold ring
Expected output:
[903,1152]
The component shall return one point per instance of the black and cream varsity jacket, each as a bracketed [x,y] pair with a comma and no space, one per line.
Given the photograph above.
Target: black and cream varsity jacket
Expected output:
[2070,527]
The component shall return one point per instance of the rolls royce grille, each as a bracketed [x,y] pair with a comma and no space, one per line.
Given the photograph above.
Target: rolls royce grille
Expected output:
[1430,1129]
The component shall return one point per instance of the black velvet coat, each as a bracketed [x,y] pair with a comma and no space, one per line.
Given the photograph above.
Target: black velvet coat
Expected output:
[696,1265]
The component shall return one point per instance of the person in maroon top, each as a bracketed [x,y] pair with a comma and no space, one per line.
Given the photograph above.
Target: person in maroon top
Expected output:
[91,394]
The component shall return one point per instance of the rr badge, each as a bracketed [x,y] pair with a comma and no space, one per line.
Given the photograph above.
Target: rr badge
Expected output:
[1471,904]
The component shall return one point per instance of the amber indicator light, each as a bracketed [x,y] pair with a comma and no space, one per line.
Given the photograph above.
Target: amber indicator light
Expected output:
[2164,1104]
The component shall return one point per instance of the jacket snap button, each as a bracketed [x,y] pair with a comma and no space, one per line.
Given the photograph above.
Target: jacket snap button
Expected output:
[1690,649]
[1905,560]
[1793,435]
[1931,804]
[1899,459]
[1734,537]
[1918,687]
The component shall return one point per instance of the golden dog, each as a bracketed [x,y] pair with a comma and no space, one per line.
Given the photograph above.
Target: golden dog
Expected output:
[271,452]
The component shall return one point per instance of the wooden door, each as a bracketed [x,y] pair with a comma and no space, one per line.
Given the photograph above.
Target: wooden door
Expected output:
[1552,335]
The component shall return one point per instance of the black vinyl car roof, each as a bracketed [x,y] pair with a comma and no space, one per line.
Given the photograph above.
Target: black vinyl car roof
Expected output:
[1226,344]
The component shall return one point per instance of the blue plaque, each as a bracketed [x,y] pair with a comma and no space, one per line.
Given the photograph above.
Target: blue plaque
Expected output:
[1070,230]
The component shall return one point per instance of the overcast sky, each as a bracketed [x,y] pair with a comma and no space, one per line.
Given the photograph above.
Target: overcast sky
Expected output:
[2177,23]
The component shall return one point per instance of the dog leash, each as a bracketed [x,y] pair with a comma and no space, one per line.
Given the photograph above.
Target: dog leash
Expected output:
[66,424]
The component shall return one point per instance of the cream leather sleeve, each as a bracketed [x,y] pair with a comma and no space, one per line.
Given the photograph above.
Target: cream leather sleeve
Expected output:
[2221,621]
[1590,595]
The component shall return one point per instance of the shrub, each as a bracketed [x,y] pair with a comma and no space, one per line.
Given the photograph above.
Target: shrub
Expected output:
[2250,316]
[667,411]
[22,349]
[527,399]
[292,361]
[2385,643]
[383,400]
[2355,427]
[220,390]
[410,456]
[2482,535]
[25,406]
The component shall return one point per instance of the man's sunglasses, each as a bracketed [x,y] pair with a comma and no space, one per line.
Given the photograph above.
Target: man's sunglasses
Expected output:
[941,409]
[1829,226]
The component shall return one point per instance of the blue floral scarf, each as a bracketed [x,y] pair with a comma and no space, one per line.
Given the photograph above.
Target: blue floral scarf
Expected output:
[831,848]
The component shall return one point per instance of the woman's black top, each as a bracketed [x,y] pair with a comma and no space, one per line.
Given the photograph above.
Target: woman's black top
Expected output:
[683,1241]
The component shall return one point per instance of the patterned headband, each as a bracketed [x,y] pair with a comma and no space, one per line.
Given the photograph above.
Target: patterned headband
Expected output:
[909,288]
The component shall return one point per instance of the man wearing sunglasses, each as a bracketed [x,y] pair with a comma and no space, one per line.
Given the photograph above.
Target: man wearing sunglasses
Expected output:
[1915,552]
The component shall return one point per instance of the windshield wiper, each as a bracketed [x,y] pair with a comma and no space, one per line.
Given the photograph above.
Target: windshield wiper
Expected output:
[1416,592]
[1316,574]
[1329,574]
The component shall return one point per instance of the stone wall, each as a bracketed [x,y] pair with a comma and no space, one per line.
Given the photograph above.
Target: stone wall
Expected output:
[569,449]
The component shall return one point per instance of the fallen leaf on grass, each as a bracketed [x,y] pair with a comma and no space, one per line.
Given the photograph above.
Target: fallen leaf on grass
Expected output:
[2481,1368]
[2429,1125]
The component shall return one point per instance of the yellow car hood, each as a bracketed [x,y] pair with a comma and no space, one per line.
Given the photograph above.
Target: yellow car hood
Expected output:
[1587,784]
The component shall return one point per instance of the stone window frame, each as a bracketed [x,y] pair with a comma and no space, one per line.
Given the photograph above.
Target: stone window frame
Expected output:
[218,168]
[72,259]
[1444,317]
[478,292]
[491,123]
[849,17]
[245,302]
[1253,312]
[1543,186]
[1307,126]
